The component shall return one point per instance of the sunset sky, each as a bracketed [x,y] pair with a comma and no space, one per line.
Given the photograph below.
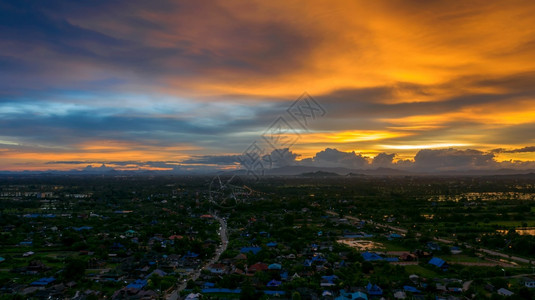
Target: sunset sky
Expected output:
[189,85]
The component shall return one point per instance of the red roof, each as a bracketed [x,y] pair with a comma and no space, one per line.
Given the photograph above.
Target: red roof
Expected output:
[207,216]
[176,237]
[258,267]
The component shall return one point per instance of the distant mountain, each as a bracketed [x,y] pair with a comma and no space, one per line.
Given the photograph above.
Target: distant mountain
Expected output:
[305,171]
[298,170]
[351,174]
[384,171]
[319,174]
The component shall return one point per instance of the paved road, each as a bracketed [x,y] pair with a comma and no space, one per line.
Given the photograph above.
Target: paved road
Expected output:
[515,258]
[224,243]
[442,240]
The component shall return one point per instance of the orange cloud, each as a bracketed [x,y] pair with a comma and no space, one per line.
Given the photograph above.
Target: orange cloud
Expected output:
[91,151]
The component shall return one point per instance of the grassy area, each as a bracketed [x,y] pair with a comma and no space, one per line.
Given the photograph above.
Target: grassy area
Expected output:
[462,258]
[388,246]
[421,271]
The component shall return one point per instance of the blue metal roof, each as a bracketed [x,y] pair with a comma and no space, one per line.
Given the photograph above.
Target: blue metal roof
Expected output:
[437,262]
[138,284]
[253,250]
[44,281]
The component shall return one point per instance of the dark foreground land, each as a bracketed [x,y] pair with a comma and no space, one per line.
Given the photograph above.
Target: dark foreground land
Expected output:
[308,237]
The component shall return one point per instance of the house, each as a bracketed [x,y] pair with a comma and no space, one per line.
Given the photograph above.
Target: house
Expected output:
[400,295]
[271,244]
[441,287]
[253,250]
[36,266]
[43,281]
[370,256]
[82,228]
[275,293]
[393,236]
[408,257]
[318,258]
[218,269]
[258,267]
[192,296]
[149,295]
[373,289]
[138,284]
[505,292]
[340,264]
[455,289]
[157,272]
[440,263]
[327,294]
[275,266]
[528,282]
[29,253]
[274,283]
[327,281]
[489,287]
[421,253]
[191,255]
[455,250]
[433,246]
[410,289]
[353,296]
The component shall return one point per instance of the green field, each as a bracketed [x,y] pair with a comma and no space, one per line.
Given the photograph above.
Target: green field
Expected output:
[462,258]
[421,271]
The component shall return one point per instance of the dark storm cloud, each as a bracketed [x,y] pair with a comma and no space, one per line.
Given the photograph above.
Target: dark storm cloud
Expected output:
[383,160]
[214,75]
[46,44]
[276,158]
[379,101]
[453,159]
[335,158]
[519,150]
[517,134]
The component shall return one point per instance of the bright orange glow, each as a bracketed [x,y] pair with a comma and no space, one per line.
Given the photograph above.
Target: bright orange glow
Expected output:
[349,136]
[206,79]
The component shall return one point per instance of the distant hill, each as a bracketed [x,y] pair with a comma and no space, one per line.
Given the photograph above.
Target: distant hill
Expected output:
[304,171]
[298,170]
[307,171]
[320,174]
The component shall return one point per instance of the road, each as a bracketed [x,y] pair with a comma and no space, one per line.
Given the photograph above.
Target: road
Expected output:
[442,240]
[224,243]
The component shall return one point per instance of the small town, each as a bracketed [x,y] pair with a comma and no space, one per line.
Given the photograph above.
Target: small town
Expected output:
[162,238]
